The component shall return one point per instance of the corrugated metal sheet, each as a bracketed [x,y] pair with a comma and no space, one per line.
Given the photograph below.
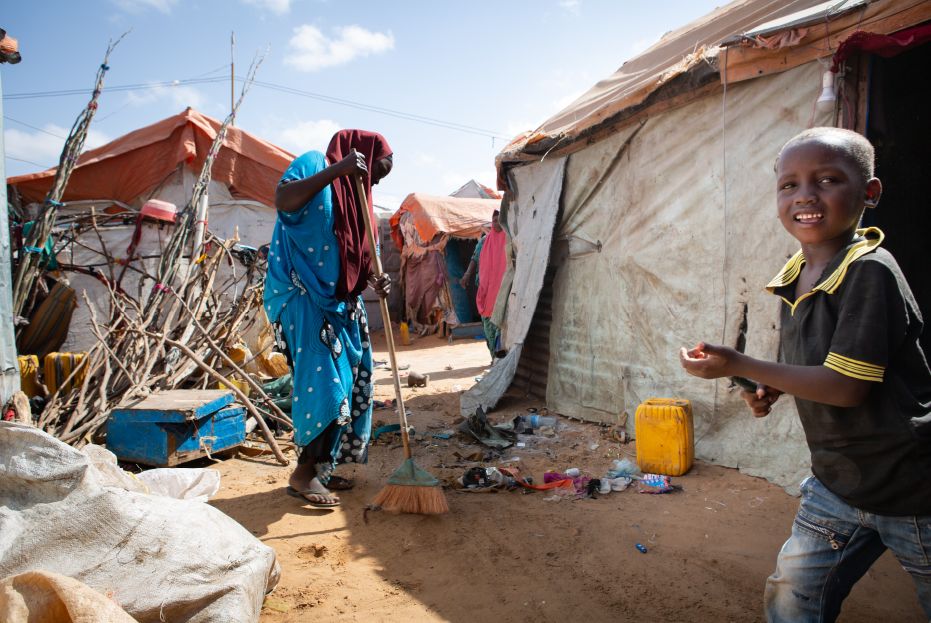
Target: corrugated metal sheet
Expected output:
[534,365]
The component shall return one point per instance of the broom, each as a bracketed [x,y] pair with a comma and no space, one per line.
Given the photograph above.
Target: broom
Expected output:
[410,489]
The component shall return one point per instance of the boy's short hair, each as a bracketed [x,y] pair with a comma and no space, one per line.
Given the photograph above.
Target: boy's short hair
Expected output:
[853,145]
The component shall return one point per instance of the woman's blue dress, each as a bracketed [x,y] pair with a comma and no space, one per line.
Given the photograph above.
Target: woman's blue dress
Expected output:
[328,339]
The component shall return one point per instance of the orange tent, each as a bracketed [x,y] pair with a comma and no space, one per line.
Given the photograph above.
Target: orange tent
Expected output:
[137,162]
[461,218]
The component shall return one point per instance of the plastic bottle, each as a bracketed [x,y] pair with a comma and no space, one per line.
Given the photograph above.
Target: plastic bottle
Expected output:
[623,468]
[536,421]
[405,334]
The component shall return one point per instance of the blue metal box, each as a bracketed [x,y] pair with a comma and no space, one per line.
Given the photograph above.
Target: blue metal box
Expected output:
[176,426]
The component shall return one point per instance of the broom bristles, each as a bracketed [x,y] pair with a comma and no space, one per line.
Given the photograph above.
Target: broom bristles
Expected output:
[417,500]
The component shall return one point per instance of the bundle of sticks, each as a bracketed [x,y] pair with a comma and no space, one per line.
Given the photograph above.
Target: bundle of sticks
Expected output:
[176,335]
[183,342]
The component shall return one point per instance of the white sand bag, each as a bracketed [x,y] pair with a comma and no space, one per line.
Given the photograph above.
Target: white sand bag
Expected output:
[159,558]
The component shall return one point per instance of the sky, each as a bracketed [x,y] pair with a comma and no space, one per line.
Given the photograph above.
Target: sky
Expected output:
[498,68]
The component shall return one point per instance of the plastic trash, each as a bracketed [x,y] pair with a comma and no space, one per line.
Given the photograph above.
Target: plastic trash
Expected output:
[623,468]
[654,483]
[536,421]
[547,431]
[572,472]
[620,483]
[642,549]
[481,477]
[495,475]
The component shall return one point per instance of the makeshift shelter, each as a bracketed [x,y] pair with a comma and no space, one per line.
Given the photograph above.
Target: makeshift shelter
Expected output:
[474,190]
[437,236]
[159,161]
[641,217]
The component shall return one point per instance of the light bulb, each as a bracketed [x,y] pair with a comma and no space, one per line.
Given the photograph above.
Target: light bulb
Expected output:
[826,101]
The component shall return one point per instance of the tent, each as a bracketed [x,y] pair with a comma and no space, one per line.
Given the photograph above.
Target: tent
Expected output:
[436,236]
[474,190]
[159,161]
[641,217]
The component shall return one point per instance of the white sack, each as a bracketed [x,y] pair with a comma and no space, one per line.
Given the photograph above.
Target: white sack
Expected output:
[162,559]
[195,485]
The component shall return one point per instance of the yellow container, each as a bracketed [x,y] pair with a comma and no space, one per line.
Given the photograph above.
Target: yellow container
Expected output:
[240,385]
[405,334]
[665,436]
[28,381]
[59,366]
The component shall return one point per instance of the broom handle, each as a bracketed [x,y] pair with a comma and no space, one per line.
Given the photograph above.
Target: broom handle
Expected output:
[386,318]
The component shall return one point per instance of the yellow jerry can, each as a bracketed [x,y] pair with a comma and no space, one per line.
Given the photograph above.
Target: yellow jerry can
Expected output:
[28,367]
[59,366]
[665,436]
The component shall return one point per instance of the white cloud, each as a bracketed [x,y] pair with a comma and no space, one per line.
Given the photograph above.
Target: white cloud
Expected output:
[312,50]
[178,96]
[573,6]
[45,149]
[426,160]
[135,6]
[306,135]
[278,7]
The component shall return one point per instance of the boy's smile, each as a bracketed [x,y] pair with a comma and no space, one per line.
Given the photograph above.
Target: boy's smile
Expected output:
[821,193]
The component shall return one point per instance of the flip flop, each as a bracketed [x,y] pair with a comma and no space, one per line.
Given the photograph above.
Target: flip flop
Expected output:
[300,494]
[339,484]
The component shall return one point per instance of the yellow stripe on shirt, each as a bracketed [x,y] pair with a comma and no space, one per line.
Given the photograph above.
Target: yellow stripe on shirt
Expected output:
[853,368]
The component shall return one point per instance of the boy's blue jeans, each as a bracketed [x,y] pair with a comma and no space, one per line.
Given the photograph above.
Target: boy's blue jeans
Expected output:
[831,547]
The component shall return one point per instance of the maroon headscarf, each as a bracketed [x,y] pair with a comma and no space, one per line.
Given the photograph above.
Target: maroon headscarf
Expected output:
[354,255]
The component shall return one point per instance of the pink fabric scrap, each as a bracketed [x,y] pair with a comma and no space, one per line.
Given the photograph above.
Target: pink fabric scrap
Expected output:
[491,266]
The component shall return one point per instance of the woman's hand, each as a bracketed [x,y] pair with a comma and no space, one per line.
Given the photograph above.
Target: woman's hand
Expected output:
[464,282]
[761,402]
[710,361]
[382,285]
[352,164]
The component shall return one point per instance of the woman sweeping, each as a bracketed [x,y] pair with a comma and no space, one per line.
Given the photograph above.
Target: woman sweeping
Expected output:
[319,263]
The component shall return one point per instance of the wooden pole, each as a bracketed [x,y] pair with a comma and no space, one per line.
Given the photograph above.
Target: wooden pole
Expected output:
[233,75]
[385,316]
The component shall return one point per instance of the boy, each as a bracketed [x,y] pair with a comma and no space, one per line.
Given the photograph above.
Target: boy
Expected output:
[849,335]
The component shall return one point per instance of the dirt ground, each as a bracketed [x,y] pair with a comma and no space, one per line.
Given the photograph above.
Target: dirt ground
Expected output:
[512,556]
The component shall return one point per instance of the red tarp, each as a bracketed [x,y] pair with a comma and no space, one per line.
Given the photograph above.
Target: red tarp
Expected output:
[883,45]
[127,167]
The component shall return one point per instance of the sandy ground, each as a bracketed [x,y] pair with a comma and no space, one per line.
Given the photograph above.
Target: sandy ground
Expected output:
[511,556]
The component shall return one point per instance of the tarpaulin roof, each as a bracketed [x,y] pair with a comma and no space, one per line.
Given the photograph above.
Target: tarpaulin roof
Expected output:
[137,162]
[475,190]
[636,90]
[462,218]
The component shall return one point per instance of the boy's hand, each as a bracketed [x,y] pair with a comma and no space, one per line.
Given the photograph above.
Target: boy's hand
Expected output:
[710,361]
[761,402]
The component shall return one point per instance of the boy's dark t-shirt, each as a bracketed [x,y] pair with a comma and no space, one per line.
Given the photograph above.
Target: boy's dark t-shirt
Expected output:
[862,320]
